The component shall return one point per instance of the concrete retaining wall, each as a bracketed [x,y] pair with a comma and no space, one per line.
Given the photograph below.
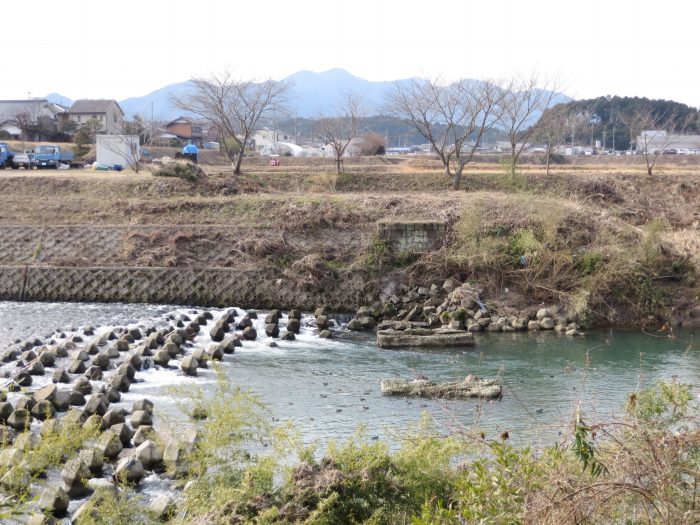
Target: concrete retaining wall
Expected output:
[413,237]
[197,286]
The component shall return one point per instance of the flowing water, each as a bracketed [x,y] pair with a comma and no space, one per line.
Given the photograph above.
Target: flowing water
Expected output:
[329,387]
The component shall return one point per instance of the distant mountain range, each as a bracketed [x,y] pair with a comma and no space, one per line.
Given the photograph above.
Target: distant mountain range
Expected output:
[311,94]
[57,98]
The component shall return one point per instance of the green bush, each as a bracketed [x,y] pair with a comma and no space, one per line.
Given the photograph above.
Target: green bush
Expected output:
[591,262]
[377,255]
[524,243]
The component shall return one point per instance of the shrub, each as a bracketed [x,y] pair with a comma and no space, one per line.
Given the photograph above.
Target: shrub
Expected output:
[116,507]
[181,170]
[524,244]
[377,255]
[591,262]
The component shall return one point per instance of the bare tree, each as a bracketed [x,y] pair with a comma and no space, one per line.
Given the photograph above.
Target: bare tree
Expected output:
[137,126]
[453,117]
[555,127]
[234,106]
[337,131]
[652,132]
[524,101]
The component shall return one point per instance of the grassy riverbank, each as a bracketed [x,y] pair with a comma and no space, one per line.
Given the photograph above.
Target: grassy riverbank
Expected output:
[640,467]
[599,236]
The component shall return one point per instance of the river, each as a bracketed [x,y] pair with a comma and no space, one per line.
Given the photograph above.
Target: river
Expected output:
[330,387]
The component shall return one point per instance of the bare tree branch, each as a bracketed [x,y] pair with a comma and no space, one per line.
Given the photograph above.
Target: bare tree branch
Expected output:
[338,130]
[524,100]
[234,106]
[453,117]
[652,133]
[126,147]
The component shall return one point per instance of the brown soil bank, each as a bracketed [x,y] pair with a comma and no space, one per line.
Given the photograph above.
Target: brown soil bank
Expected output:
[603,239]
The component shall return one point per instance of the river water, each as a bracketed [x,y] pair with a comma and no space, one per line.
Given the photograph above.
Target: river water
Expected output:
[330,387]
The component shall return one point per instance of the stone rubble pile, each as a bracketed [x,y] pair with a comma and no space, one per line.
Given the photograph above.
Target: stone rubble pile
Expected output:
[436,316]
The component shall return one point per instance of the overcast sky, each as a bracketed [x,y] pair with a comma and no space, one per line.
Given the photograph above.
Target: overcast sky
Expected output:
[118,49]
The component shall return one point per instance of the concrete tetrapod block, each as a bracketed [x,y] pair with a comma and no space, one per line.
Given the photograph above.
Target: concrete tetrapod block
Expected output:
[149,454]
[54,500]
[130,470]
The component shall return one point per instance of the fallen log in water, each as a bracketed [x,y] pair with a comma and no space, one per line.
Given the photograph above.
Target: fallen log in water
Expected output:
[484,388]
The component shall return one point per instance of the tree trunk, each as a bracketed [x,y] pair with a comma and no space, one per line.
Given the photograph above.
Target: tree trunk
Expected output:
[338,165]
[457,178]
[237,164]
[448,171]
[548,162]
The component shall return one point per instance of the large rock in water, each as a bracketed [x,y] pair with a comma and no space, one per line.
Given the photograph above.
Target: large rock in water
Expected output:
[423,337]
[293,325]
[485,388]
[272,330]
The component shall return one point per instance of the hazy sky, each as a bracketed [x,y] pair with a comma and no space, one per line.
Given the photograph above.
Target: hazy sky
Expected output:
[118,49]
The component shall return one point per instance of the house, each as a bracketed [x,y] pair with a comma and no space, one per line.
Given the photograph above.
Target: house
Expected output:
[283,148]
[265,139]
[107,113]
[35,119]
[186,130]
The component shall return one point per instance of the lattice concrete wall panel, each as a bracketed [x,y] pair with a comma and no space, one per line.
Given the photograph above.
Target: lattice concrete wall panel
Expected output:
[200,286]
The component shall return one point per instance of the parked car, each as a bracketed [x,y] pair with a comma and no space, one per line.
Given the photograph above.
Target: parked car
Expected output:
[23,160]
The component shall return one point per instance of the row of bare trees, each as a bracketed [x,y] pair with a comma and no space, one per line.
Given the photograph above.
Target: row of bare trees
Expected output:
[652,133]
[453,117]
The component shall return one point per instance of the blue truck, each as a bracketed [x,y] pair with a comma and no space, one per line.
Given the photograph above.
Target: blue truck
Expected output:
[50,156]
[5,156]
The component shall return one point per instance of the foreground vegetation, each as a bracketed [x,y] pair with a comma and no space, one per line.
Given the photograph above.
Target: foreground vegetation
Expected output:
[640,468]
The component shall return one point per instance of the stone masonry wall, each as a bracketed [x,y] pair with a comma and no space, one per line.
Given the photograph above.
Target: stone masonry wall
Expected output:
[414,237]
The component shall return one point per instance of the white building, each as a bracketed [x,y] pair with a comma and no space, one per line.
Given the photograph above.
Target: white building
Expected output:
[282,148]
[265,139]
[654,141]
[118,150]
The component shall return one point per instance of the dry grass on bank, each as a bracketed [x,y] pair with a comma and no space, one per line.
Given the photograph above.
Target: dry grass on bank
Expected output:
[581,230]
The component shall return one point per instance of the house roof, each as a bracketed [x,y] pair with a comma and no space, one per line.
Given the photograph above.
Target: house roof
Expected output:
[93,106]
[179,120]
[39,107]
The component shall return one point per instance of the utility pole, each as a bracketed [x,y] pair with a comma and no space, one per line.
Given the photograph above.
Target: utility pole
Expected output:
[613,139]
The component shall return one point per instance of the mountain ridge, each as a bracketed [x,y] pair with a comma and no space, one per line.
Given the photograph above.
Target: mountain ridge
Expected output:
[311,94]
